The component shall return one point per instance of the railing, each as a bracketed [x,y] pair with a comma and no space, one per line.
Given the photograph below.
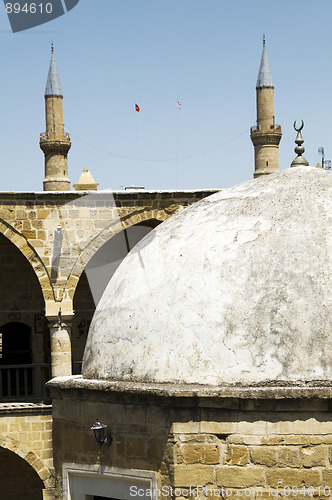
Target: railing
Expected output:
[265,128]
[52,136]
[24,382]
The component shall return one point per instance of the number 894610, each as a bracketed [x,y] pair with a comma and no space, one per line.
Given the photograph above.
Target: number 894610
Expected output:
[29,8]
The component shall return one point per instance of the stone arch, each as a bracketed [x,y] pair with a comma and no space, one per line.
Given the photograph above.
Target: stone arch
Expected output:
[25,336]
[104,236]
[30,457]
[26,249]
[94,279]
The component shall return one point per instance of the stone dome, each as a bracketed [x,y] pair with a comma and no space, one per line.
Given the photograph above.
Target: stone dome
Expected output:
[236,289]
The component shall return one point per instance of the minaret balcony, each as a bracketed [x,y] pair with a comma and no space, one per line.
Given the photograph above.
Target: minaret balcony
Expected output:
[53,137]
[266,128]
[51,144]
[264,135]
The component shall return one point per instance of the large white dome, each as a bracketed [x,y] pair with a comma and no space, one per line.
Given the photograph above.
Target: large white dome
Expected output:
[236,289]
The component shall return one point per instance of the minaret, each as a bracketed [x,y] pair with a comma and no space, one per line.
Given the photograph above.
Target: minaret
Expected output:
[55,143]
[266,134]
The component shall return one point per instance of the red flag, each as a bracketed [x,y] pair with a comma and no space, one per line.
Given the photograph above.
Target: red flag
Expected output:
[137,107]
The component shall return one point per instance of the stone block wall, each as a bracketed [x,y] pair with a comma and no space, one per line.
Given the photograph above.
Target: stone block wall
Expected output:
[29,426]
[265,106]
[30,221]
[139,434]
[265,454]
[266,159]
[26,454]
[200,448]
[48,239]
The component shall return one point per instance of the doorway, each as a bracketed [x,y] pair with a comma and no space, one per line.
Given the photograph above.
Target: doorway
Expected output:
[104,498]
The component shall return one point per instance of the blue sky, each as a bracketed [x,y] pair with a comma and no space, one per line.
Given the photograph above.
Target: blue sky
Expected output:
[205,53]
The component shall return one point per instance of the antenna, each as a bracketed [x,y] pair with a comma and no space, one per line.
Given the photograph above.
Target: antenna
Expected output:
[326,164]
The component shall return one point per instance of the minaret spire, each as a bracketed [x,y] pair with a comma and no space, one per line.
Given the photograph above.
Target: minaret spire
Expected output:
[55,143]
[266,134]
[264,75]
[53,85]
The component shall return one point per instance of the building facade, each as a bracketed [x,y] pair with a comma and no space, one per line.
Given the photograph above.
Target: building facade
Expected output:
[216,384]
[58,250]
[193,399]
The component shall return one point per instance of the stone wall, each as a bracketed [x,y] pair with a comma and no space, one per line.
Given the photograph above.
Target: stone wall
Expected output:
[26,453]
[219,447]
[41,269]
[48,240]
[59,232]
[29,425]
[21,298]
[268,450]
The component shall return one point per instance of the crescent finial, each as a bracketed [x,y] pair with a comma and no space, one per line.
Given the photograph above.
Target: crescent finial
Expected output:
[299,128]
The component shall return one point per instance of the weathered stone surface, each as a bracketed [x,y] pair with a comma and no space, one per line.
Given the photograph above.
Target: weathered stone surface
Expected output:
[198,453]
[288,456]
[216,395]
[294,477]
[240,477]
[264,455]
[240,278]
[237,455]
[26,432]
[315,456]
[193,475]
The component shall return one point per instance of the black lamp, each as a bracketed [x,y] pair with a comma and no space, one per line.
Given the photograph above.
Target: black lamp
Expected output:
[102,437]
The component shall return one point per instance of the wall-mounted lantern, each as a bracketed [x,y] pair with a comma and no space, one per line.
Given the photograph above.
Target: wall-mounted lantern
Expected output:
[101,436]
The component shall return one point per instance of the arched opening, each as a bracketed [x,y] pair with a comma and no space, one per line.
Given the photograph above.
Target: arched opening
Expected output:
[24,366]
[16,381]
[19,481]
[95,279]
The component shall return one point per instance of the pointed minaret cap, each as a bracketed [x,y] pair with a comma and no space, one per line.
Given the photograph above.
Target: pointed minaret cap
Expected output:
[53,85]
[264,75]
[86,182]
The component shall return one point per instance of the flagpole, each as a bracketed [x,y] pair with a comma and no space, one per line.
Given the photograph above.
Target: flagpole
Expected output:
[178,104]
[137,134]
[177,149]
[137,109]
